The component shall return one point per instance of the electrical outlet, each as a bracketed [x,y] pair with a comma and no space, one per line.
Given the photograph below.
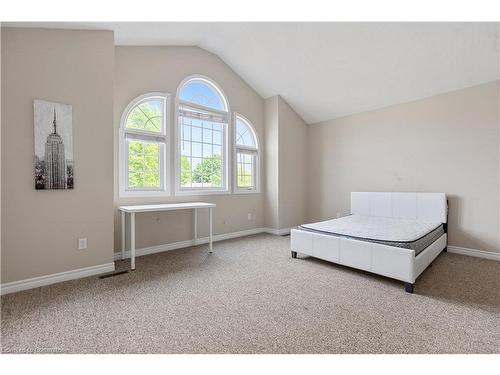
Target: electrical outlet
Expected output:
[249,216]
[82,243]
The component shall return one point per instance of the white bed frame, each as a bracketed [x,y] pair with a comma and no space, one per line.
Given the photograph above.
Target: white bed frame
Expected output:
[395,262]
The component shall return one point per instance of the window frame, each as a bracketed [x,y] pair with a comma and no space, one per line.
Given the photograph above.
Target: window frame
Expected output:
[226,156]
[162,139]
[249,150]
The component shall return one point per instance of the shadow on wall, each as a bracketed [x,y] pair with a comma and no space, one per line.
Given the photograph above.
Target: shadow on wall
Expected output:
[456,234]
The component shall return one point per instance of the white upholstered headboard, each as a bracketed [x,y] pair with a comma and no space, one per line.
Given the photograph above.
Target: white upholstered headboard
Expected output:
[418,206]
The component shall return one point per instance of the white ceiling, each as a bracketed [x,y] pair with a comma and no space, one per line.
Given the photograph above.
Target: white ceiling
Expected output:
[330,70]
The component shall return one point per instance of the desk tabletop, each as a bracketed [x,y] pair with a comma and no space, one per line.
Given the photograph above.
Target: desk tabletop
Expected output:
[166,207]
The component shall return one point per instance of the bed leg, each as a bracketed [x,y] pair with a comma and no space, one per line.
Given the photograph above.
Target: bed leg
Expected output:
[294,254]
[408,287]
[445,250]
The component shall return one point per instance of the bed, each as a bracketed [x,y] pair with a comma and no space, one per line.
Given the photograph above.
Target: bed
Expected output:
[397,235]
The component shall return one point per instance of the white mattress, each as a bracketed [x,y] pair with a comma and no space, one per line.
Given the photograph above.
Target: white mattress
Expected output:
[375,228]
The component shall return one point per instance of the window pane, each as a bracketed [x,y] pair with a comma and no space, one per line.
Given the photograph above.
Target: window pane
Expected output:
[245,166]
[186,133]
[186,148]
[147,115]
[218,150]
[202,93]
[208,172]
[204,156]
[143,165]
[247,139]
[216,177]
[196,134]
[207,135]
[217,137]
[196,149]
[244,135]
[207,150]
[185,171]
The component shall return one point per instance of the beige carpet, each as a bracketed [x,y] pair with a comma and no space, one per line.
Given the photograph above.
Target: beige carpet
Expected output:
[250,296]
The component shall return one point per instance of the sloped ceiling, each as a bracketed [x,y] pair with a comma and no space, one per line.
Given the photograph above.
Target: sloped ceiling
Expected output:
[330,70]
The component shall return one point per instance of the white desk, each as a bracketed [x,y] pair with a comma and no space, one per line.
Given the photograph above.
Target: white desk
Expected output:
[132,210]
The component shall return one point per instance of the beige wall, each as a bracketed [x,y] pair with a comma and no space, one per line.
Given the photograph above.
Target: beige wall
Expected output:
[40,228]
[271,163]
[292,167]
[444,143]
[447,143]
[498,122]
[0,144]
[286,162]
[139,70]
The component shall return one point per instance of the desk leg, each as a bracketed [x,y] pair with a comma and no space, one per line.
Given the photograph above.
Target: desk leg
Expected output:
[123,235]
[132,241]
[210,239]
[195,226]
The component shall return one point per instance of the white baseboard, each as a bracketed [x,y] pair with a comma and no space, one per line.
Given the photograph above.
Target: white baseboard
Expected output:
[278,232]
[474,253]
[35,282]
[188,243]
[200,241]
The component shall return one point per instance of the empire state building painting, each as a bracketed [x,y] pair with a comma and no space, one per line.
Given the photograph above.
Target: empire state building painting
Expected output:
[53,145]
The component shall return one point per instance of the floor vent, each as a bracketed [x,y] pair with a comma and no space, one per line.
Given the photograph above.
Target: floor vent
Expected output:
[113,274]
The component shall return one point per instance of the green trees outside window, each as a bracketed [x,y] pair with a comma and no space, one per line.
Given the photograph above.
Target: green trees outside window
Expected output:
[244,170]
[143,165]
[147,116]
[206,173]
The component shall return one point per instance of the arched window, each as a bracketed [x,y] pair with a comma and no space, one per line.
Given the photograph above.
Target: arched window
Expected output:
[247,156]
[144,146]
[203,92]
[203,117]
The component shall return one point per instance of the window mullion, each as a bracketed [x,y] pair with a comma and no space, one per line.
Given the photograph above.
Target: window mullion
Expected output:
[244,150]
[145,137]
